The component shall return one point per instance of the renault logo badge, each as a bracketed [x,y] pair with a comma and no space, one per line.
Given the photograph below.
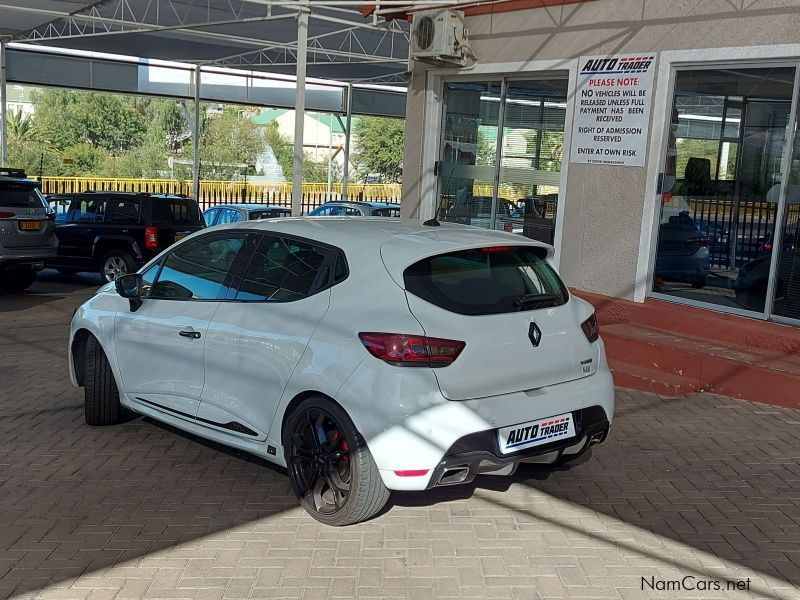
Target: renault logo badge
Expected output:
[534,334]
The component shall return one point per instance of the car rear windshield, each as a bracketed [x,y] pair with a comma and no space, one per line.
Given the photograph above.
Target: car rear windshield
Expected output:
[175,211]
[487,281]
[17,195]
[268,214]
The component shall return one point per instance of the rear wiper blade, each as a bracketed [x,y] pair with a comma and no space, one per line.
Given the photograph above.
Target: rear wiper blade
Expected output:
[528,299]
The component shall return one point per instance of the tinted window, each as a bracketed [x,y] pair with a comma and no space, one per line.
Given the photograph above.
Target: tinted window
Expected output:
[281,270]
[197,270]
[86,208]
[322,211]
[340,271]
[174,211]
[269,214]
[353,212]
[122,210]
[20,196]
[487,281]
[386,212]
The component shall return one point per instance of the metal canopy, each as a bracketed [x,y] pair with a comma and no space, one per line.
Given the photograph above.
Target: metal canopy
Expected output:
[252,34]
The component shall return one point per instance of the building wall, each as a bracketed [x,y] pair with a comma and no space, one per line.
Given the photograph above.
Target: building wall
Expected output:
[603,204]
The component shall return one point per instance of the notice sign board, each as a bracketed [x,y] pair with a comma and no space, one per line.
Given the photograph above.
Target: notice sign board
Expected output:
[612,109]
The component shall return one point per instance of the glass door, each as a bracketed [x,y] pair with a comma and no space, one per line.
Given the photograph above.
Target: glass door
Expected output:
[722,186]
[501,153]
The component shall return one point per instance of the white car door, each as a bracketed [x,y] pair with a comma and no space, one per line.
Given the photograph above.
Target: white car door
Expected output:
[160,346]
[255,342]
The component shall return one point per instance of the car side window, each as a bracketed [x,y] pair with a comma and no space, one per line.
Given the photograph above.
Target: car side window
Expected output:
[148,276]
[122,210]
[86,209]
[226,215]
[210,216]
[281,270]
[198,269]
[322,211]
[353,212]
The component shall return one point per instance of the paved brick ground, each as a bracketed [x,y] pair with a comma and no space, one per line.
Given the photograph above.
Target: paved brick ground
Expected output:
[704,487]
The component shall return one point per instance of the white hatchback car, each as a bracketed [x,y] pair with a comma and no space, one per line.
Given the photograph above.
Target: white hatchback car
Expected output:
[364,355]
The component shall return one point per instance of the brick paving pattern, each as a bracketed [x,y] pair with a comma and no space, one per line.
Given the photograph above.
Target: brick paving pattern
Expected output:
[704,486]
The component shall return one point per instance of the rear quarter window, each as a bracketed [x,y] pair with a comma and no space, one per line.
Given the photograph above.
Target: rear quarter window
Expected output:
[485,281]
[174,211]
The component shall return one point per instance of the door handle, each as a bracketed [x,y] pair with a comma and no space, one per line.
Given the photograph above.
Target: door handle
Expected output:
[190,333]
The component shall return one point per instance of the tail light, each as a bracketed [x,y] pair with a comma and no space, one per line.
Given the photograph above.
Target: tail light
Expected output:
[51,215]
[591,328]
[768,246]
[5,214]
[493,249]
[151,237]
[697,242]
[404,350]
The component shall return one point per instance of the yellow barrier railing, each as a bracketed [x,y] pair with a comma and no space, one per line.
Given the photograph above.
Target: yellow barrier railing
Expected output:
[221,190]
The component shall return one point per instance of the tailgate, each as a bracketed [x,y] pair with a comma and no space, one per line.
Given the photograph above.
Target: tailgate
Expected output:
[522,330]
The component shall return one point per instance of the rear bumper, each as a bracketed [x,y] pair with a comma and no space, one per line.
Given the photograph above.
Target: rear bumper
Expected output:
[479,453]
[26,256]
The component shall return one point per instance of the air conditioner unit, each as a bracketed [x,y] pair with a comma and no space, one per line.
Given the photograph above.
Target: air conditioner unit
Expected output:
[439,36]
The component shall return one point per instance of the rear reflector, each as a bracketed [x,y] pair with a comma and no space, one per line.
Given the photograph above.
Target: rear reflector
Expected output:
[491,249]
[412,473]
[151,237]
[6,215]
[700,242]
[404,350]
[591,328]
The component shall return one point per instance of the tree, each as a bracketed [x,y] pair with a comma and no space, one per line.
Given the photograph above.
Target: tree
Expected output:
[380,143]
[27,148]
[105,121]
[229,144]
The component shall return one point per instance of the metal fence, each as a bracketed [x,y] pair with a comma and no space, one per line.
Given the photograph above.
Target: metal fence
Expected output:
[738,231]
[225,192]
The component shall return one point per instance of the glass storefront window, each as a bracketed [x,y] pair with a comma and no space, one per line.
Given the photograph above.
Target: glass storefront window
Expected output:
[721,185]
[518,193]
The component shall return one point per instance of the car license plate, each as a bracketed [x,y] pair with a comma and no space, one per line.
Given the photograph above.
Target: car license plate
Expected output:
[30,225]
[535,433]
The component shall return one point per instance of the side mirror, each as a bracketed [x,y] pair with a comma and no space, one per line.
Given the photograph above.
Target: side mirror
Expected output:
[130,287]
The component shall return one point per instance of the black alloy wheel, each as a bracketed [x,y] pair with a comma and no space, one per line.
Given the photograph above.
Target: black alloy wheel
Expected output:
[320,461]
[330,467]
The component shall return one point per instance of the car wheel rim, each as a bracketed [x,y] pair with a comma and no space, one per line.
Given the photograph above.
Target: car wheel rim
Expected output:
[114,267]
[319,460]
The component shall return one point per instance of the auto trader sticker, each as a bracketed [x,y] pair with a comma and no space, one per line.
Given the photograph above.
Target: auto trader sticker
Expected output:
[535,433]
[612,109]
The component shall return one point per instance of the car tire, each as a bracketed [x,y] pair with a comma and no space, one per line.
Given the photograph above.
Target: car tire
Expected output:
[336,479]
[115,264]
[101,396]
[699,283]
[16,280]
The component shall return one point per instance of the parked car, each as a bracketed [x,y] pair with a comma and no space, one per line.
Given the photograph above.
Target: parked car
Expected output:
[470,357]
[113,233]
[753,280]
[682,253]
[234,213]
[477,211]
[356,209]
[27,230]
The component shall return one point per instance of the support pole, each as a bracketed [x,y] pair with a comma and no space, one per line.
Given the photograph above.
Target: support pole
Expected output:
[3,115]
[299,109]
[348,124]
[196,140]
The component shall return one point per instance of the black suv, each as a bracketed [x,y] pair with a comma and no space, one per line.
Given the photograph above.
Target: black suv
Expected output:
[114,233]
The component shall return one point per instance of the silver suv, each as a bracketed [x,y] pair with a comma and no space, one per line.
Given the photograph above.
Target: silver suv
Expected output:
[27,230]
